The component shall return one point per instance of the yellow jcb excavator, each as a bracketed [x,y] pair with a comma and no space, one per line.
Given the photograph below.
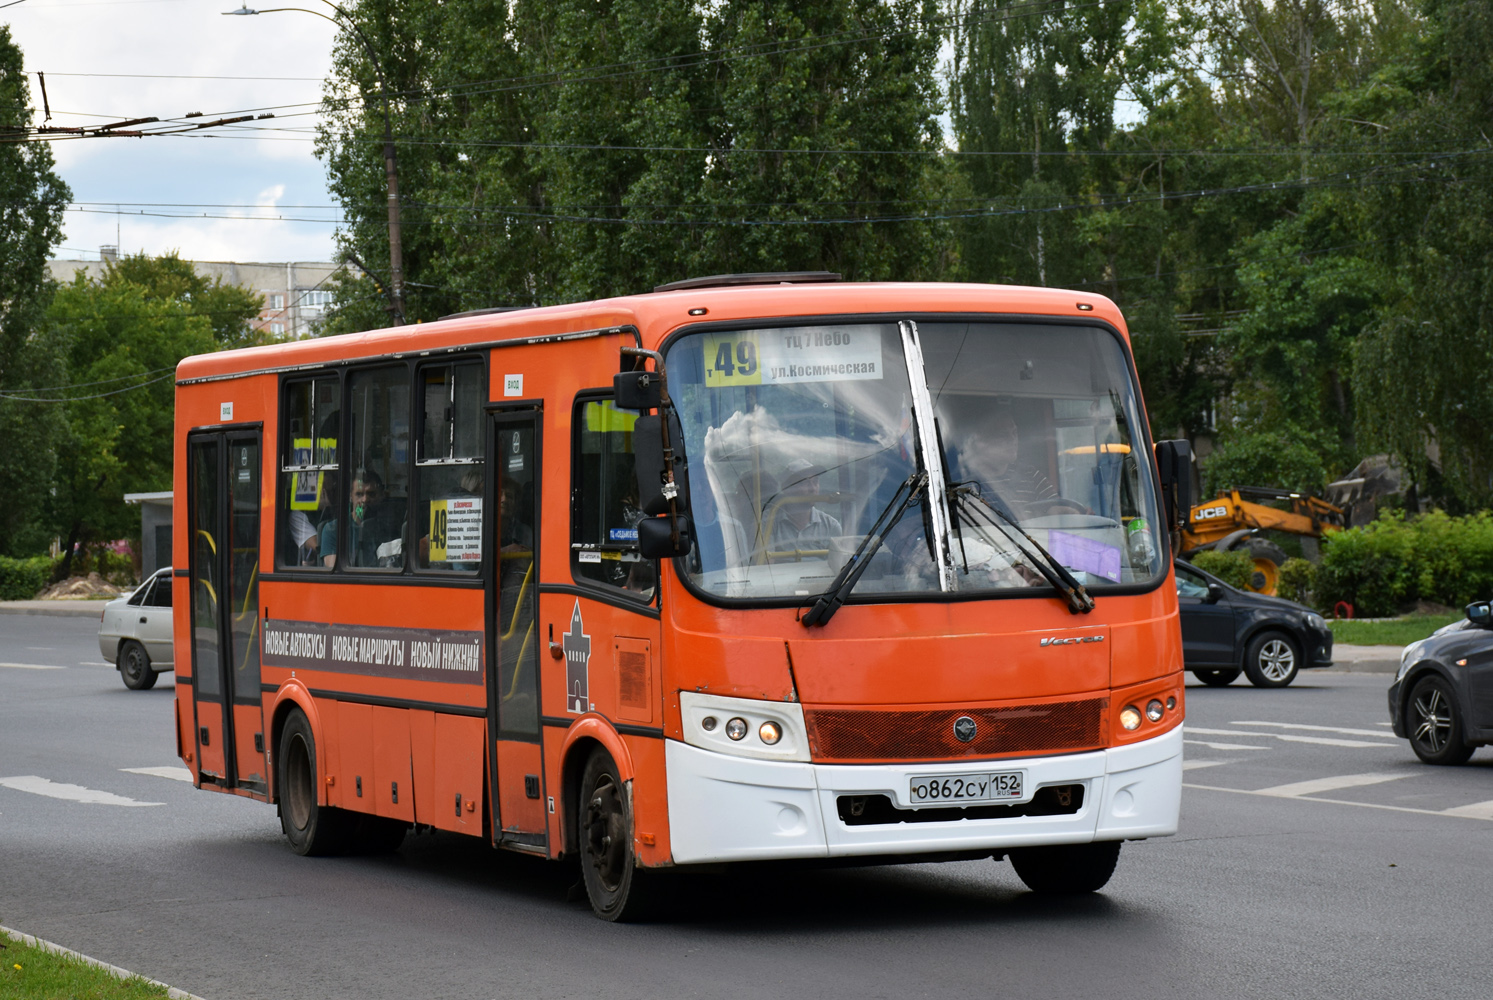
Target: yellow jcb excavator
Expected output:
[1229,522]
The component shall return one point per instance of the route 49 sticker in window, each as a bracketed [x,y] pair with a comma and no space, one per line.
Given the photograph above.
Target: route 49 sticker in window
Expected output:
[796,354]
[456,529]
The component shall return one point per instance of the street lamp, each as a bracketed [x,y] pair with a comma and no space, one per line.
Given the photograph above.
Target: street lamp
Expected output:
[396,255]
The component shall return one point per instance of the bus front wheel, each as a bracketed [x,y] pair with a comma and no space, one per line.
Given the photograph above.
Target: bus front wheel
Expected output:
[1066,868]
[616,886]
[311,828]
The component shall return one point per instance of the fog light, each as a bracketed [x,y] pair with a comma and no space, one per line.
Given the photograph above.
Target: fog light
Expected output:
[770,732]
[1130,717]
[736,728]
[708,723]
[1155,710]
[1171,703]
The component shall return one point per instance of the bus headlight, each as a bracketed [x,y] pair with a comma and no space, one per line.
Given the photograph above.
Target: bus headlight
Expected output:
[1155,709]
[1130,717]
[744,727]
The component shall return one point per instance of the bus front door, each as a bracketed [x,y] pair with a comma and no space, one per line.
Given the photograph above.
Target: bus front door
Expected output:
[519,794]
[223,512]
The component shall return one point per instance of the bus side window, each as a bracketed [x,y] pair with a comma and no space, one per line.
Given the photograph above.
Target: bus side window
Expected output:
[377,508]
[308,471]
[605,511]
[449,467]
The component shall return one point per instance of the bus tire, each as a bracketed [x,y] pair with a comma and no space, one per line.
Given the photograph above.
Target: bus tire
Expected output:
[1066,868]
[312,829]
[134,666]
[615,885]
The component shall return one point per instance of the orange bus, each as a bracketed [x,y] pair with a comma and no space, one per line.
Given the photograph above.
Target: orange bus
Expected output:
[753,567]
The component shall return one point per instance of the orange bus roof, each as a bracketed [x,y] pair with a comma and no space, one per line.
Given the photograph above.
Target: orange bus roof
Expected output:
[657,314]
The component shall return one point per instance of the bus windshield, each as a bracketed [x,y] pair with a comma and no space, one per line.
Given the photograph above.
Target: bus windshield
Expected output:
[800,437]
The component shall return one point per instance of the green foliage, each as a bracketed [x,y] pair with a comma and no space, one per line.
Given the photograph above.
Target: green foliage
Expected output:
[1234,568]
[1297,581]
[31,972]
[1393,562]
[23,579]
[1398,632]
[168,278]
[32,200]
[1281,458]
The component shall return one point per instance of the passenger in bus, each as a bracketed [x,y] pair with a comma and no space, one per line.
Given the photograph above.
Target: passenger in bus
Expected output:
[373,521]
[800,523]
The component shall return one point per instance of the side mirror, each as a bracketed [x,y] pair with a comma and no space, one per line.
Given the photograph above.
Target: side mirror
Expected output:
[648,463]
[1215,593]
[656,537]
[1480,613]
[637,390]
[1174,467]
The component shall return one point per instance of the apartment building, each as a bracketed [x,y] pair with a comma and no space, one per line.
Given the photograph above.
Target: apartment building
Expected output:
[295,294]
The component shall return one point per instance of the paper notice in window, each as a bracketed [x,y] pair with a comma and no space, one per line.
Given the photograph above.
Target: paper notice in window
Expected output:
[800,354]
[456,529]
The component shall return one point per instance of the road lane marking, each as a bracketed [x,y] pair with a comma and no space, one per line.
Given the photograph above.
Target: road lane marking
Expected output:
[1299,788]
[1320,729]
[1342,802]
[174,773]
[1328,741]
[1223,746]
[33,666]
[1475,810]
[1193,765]
[1222,732]
[73,793]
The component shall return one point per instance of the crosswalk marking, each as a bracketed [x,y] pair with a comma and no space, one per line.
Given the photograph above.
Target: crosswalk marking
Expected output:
[1299,788]
[1193,765]
[1223,746]
[1222,732]
[33,666]
[1328,741]
[174,773]
[73,793]
[1475,810]
[1320,729]
[1346,802]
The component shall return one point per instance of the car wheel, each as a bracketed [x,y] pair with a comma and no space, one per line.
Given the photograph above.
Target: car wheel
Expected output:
[1268,558]
[1435,724]
[617,887]
[134,666]
[1271,661]
[1216,678]
[311,828]
[1066,868]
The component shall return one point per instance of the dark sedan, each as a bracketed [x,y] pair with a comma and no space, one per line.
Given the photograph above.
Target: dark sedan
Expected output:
[1442,698]
[1226,630]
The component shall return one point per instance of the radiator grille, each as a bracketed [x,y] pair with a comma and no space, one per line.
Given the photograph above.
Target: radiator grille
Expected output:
[928,734]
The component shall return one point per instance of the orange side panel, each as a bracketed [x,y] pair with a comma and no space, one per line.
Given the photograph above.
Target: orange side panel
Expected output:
[1145,649]
[248,723]
[355,771]
[650,801]
[459,773]
[393,789]
[422,764]
[516,811]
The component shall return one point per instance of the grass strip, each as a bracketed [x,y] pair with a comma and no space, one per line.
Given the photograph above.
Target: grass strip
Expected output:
[1396,632]
[34,971]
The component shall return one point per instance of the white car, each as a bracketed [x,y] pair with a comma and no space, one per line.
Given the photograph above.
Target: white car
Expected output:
[135,632]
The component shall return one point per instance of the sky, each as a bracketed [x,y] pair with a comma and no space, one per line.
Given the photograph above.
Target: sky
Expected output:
[213,196]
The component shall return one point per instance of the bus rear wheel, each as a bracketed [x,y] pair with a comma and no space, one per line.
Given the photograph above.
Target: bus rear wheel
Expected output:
[616,886]
[311,828]
[1066,868]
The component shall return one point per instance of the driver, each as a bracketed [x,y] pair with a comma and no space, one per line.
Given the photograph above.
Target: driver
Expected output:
[987,455]
[799,523]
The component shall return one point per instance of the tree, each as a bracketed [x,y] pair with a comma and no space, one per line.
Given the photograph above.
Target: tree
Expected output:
[227,308]
[32,199]
[121,342]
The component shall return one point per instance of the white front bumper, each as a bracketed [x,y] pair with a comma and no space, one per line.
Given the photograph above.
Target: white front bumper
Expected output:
[724,808]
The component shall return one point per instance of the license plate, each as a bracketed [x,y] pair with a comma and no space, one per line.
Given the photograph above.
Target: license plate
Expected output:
[957,789]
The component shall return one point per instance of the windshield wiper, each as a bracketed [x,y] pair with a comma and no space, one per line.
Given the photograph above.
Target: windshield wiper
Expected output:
[834,597]
[1054,572]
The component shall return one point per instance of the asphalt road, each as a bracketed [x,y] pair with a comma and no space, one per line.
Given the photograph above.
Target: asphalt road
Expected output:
[1349,886]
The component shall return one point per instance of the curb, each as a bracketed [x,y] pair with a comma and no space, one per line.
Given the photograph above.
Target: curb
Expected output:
[54,609]
[57,949]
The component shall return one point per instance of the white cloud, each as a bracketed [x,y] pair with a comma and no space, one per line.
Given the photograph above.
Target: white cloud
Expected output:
[152,50]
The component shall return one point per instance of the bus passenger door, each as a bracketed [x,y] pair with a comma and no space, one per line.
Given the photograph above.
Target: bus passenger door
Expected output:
[513,639]
[223,508]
